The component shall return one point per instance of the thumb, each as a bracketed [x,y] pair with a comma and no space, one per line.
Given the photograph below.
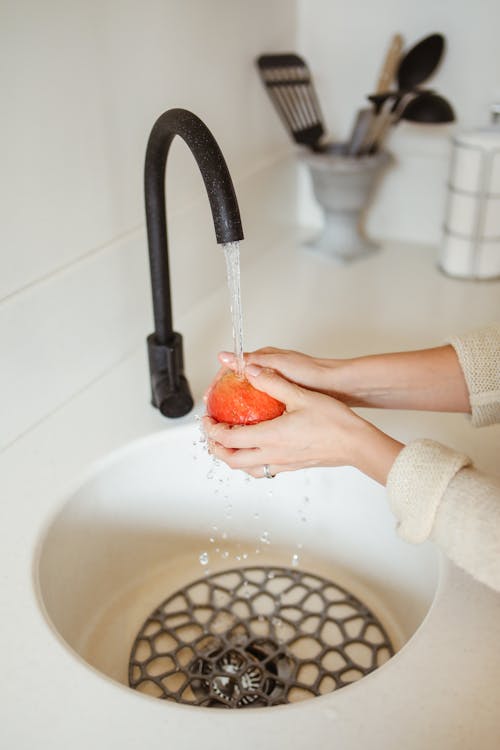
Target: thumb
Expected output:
[267,380]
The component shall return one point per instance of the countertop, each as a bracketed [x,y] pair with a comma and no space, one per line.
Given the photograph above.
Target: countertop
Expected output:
[443,695]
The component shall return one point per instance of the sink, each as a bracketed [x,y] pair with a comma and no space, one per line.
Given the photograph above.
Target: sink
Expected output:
[159,514]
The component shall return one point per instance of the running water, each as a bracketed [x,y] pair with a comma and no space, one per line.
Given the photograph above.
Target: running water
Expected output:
[232,255]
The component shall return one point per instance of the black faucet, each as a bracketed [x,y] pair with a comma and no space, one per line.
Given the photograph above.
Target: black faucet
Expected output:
[170,391]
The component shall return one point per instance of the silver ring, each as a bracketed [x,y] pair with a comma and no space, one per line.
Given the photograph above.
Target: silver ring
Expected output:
[267,472]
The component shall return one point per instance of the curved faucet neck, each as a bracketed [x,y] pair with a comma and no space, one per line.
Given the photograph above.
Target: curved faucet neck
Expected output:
[220,190]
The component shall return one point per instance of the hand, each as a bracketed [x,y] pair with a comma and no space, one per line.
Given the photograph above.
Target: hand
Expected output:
[428,379]
[315,430]
[309,372]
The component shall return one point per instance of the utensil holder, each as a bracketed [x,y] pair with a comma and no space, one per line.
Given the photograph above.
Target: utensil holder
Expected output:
[343,186]
[470,247]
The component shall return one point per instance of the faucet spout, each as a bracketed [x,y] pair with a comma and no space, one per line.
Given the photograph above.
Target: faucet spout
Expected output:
[170,391]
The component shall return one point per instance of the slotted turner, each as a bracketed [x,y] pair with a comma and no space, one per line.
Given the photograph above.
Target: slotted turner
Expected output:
[290,87]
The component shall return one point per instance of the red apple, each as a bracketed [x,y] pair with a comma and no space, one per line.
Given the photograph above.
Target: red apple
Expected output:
[233,400]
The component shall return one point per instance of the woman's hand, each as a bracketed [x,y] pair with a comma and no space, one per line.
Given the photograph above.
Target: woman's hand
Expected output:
[428,379]
[315,430]
[309,372]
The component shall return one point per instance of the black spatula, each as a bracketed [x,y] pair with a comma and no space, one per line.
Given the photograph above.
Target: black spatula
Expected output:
[290,86]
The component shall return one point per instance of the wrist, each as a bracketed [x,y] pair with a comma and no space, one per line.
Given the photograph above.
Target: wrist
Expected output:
[347,380]
[375,451]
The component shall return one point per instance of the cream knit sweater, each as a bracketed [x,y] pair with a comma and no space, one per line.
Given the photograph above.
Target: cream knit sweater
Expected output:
[436,493]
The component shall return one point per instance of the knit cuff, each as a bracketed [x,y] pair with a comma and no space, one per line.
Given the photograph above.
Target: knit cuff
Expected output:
[416,484]
[478,353]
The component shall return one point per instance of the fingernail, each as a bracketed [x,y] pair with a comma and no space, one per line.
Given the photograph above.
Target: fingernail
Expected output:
[226,356]
[253,370]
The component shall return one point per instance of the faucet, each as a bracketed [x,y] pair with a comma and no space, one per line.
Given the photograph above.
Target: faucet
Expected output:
[170,392]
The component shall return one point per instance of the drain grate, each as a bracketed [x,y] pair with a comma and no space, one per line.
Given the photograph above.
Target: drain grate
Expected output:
[256,636]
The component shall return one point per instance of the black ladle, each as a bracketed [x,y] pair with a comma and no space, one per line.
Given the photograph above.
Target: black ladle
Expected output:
[425,107]
[428,107]
[420,62]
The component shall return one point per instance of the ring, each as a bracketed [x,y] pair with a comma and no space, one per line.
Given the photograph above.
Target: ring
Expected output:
[267,472]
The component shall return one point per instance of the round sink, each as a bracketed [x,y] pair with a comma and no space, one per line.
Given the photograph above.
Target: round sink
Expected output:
[157,515]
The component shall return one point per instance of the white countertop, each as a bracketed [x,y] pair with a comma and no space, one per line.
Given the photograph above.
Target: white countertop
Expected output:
[443,692]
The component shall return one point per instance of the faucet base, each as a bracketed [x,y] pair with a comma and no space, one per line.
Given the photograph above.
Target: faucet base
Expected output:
[170,391]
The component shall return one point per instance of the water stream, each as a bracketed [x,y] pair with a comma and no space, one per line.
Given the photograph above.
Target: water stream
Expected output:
[232,255]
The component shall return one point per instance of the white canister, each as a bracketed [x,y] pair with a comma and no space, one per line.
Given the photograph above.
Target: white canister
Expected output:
[471,239]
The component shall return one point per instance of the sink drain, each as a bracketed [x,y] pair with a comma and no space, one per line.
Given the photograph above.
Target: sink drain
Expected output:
[256,636]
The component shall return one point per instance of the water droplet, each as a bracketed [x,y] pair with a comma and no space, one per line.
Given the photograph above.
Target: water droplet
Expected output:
[299,545]
[224,535]
[307,500]
[264,537]
[256,516]
[238,557]
[257,551]
[217,549]
[269,493]
[271,574]
[225,554]
[204,558]
[295,559]
[276,622]
[245,557]
[211,540]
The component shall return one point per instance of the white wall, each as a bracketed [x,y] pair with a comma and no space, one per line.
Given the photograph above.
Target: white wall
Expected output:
[82,83]
[345,41]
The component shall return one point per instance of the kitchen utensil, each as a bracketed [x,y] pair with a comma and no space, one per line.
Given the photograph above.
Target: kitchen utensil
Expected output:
[390,65]
[360,130]
[414,68]
[384,105]
[424,107]
[290,86]
[429,107]
[420,62]
[364,122]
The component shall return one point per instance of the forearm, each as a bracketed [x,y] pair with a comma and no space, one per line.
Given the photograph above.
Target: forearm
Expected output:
[429,379]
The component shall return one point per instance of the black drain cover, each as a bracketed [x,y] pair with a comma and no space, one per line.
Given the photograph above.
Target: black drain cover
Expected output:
[256,636]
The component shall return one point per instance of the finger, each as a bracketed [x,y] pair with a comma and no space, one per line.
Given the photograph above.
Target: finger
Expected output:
[237,436]
[227,359]
[238,459]
[275,385]
[264,356]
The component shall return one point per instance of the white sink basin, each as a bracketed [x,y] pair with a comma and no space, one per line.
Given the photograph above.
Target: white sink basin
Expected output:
[133,533]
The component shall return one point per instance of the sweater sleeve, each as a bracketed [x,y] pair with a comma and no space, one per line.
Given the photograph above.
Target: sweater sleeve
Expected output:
[478,353]
[435,493]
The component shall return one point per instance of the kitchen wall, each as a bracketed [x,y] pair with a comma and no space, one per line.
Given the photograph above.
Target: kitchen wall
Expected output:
[345,41]
[82,84]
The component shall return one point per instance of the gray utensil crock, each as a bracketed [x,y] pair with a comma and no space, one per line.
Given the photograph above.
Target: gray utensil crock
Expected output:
[343,186]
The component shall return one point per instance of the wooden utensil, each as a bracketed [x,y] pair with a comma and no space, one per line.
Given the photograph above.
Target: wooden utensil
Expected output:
[390,65]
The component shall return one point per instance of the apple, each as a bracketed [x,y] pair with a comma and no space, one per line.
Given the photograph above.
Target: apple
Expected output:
[233,400]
